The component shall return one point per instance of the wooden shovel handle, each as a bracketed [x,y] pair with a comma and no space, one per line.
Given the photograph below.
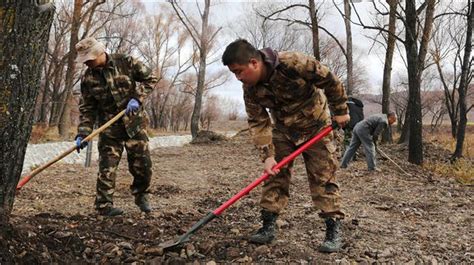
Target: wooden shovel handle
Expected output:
[68,151]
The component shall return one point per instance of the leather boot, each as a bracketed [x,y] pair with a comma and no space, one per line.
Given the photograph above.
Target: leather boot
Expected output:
[266,233]
[141,200]
[110,211]
[333,240]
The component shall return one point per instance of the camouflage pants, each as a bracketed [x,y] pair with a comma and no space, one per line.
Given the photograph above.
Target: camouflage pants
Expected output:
[320,165]
[111,145]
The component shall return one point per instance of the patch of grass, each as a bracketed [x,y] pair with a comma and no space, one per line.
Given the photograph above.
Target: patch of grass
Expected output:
[462,170]
[444,139]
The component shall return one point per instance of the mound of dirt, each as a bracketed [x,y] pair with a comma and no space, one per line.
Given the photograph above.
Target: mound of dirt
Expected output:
[205,137]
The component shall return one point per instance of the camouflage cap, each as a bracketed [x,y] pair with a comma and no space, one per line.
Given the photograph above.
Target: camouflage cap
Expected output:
[88,49]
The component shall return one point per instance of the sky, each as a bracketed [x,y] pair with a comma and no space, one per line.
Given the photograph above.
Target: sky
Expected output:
[225,13]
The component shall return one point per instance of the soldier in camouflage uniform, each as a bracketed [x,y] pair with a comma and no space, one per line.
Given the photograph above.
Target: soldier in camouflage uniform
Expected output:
[299,91]
[108,87]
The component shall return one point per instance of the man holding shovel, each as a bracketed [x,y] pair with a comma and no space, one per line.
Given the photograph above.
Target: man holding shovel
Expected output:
[367,133]
[298,90]
[108,87]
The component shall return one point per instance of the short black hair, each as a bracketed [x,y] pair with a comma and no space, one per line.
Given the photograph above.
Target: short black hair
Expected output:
[240,51]
[391,114]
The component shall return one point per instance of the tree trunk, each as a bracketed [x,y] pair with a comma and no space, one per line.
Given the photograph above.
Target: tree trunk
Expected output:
[347,22]
[23,38]
[56,102]
[314,29]
[463,85]
[65,120]
[415,61]
[387,69]
[202,71]
[44,106]
[449,99]
[405,135]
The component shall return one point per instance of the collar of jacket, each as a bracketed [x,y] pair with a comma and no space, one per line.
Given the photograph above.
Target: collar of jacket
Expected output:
[110,63]
[270,58]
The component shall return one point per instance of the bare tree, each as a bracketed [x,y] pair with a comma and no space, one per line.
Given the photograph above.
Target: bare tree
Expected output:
[168,60]
[263,33]
[349,57]
[451,51]
[71,67]
[211,111]
[202,39]
[416,60]
[291,14]
[466,78]
[387,69]
[417,37]
[23,39]
[53,62]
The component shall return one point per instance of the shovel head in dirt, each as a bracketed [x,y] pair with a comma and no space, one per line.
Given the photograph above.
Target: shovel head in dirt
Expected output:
[170,245]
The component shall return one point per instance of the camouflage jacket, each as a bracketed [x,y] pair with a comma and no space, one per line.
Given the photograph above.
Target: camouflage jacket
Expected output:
[299,92]
[106,91]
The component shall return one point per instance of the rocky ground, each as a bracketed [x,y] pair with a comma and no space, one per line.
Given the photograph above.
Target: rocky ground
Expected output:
[391,217]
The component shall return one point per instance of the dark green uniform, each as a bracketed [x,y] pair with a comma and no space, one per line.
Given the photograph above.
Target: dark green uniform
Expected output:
[298,92]
[105,92]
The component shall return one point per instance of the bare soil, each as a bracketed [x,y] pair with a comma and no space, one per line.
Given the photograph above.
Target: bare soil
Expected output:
[391,217]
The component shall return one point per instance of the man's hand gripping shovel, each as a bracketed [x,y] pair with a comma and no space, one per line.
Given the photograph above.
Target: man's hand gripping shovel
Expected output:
[168,245]
[67,152]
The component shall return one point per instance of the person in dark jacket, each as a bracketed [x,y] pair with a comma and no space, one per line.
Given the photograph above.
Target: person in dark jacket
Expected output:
[356,112]
[367,133]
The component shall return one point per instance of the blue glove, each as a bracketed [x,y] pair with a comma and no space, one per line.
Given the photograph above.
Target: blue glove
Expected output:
[80,146]
[132,106]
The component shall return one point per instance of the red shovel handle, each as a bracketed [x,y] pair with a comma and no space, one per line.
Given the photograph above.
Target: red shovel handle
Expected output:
[282,163]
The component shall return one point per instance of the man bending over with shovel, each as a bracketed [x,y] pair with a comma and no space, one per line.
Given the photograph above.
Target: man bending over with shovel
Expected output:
[298,90]
[367,133]
[108,87]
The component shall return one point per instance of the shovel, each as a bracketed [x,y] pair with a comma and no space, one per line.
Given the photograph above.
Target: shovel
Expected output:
[70,150]
[185,237]
[391,160]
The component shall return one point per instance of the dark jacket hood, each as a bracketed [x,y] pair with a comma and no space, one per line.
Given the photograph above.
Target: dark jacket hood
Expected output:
[270,57]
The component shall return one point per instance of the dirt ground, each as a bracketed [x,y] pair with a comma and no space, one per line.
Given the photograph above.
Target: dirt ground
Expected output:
[391,217]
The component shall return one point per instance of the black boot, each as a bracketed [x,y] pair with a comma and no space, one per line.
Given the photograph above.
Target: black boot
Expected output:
[266,233]
[333,240]
[141,200]
[110,211]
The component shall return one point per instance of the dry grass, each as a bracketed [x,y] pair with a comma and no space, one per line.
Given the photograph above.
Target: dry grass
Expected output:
[42,134]
[442,137]
[463,169]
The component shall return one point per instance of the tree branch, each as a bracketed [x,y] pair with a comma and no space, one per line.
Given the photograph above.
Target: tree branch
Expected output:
[368,27]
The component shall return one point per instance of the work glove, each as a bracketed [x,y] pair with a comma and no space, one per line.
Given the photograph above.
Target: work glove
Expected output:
[132,106]
[80,145]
